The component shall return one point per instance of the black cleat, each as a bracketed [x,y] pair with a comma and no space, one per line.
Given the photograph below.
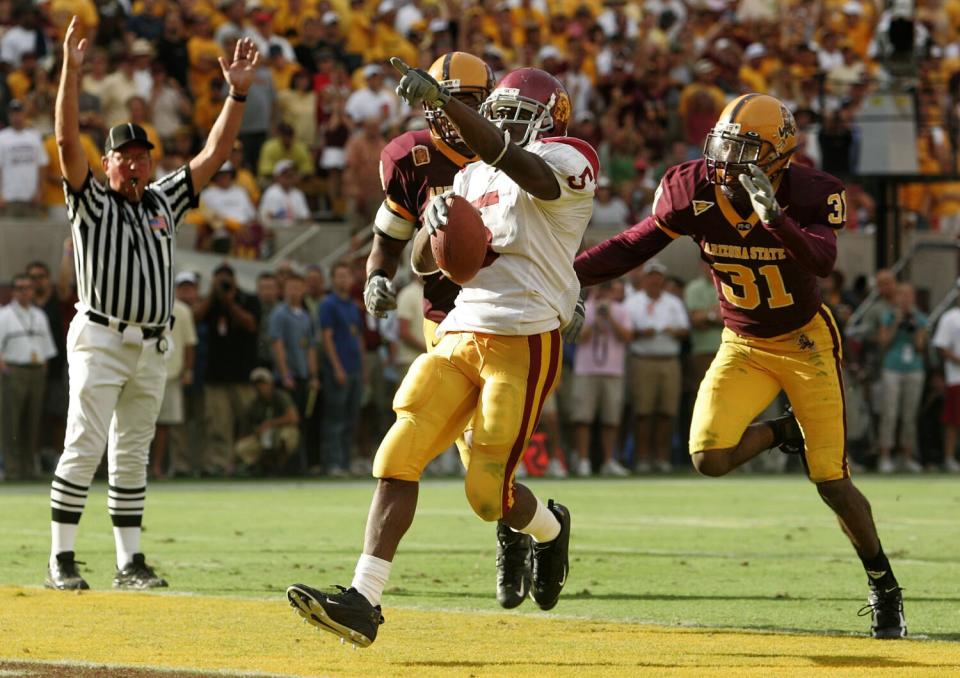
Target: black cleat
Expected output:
[550,562]
[347,614]
[886,610]
[64,576]
[514,565]
[138,575]
[792,440]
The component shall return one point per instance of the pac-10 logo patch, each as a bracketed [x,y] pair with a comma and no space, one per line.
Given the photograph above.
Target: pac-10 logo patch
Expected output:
[744,227]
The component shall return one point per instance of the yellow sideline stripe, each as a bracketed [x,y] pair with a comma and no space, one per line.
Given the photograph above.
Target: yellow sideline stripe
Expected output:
[211,634]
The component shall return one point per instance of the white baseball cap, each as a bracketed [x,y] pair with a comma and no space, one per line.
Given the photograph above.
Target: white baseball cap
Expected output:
[754,51]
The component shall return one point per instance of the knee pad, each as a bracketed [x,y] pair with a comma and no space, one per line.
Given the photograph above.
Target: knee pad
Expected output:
[501,416]
[484,492]
[398,455]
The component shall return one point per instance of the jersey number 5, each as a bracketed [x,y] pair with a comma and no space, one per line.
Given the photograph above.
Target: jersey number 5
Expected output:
[578,183]
[749,295]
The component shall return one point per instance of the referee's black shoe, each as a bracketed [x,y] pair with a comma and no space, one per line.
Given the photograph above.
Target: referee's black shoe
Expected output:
[138,575]
[347,614]
[513,566]
[551,562]
[65,576]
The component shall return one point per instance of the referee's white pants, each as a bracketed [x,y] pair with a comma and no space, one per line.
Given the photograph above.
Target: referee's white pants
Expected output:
[116,390]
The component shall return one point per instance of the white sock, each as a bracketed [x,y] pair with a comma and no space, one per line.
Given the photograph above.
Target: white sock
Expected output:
[62,538]
[370,577]
[544,526]
[128,543]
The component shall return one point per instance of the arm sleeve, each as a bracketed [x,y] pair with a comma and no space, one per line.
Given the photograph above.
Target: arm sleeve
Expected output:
[397,217]
[575,166]
[813,247]
[275,324]
[85,206]
[177,188]
[941,337]
[621,253]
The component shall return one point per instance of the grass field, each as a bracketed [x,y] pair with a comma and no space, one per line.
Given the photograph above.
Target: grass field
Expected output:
[678,576]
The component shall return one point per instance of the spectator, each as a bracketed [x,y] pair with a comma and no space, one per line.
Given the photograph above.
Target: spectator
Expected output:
[609,209]
[903,340]
[659,323]
[341,324]
[146,20]
[258,116]
[24,36]
[373,101]
[283,204]
[170,105]
[598,370]
[230,216]
[230,316]
[173,51]
[410,342]
[183,338]
[282,70]
[293,339]
[56,302]
[26,345]
[23,162]
[275,436]
[298,107]
[316,289]
[946,339]
[333,158]
[188,442]
[700,298]
[141,51]
[361,178]
[268,294]
[284,146]
[235,14]
[139,114]
[116,89]
[53,198]
[204,52]
[245,178]
[260,30]
[700,103]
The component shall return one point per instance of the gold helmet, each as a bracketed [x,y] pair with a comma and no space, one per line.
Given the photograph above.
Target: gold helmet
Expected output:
[754,129]
[470,80]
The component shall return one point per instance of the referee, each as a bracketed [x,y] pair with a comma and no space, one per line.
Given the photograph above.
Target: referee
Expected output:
[124,237]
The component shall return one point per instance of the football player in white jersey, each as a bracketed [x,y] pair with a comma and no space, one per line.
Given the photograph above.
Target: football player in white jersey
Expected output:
[499,353]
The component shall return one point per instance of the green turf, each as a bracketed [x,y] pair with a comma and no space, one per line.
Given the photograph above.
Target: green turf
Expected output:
[757,552]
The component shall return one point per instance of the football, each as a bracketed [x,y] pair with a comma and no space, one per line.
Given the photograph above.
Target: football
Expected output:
[461,246]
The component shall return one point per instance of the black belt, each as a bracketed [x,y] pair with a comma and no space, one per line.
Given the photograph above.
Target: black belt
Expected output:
[154,332]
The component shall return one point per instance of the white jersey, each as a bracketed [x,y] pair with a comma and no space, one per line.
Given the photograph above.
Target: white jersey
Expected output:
[530,287]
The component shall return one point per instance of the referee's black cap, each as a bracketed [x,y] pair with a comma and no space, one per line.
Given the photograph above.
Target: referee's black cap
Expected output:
[127,133]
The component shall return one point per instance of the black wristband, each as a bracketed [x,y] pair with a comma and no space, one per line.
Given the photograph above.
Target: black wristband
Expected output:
[375,272]
[238,97]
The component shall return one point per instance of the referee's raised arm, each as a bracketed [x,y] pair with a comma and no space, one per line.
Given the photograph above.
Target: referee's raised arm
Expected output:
[239,74]
[66,124]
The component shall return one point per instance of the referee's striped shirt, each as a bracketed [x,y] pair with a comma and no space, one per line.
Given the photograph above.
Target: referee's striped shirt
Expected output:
[123,253]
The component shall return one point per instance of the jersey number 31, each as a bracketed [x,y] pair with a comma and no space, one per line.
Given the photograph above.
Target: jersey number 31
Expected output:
[748,297]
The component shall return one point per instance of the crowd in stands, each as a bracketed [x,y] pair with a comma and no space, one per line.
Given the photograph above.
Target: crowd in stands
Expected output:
[294,378]
[276,378]
[647,80]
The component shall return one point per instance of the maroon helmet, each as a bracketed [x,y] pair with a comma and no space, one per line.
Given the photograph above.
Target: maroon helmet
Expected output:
[529,102]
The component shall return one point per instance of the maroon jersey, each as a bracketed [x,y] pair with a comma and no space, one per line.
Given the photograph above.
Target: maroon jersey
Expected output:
[765,275]
[413,170]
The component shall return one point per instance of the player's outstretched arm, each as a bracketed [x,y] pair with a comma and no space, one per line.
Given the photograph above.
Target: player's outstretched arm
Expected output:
[488,141]
[239,74]
[621,253]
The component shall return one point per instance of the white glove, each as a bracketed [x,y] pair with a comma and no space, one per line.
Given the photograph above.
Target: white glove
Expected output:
[435,216]
[762,195]
[379,295]
[571,331]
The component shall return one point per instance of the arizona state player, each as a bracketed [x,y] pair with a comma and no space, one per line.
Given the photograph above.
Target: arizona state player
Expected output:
[768,230]
[414,167]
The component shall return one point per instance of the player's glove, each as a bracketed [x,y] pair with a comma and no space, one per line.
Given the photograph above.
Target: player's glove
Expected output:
[379,295]
[435,216]
[762,195]
[571,331]
[417,86]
